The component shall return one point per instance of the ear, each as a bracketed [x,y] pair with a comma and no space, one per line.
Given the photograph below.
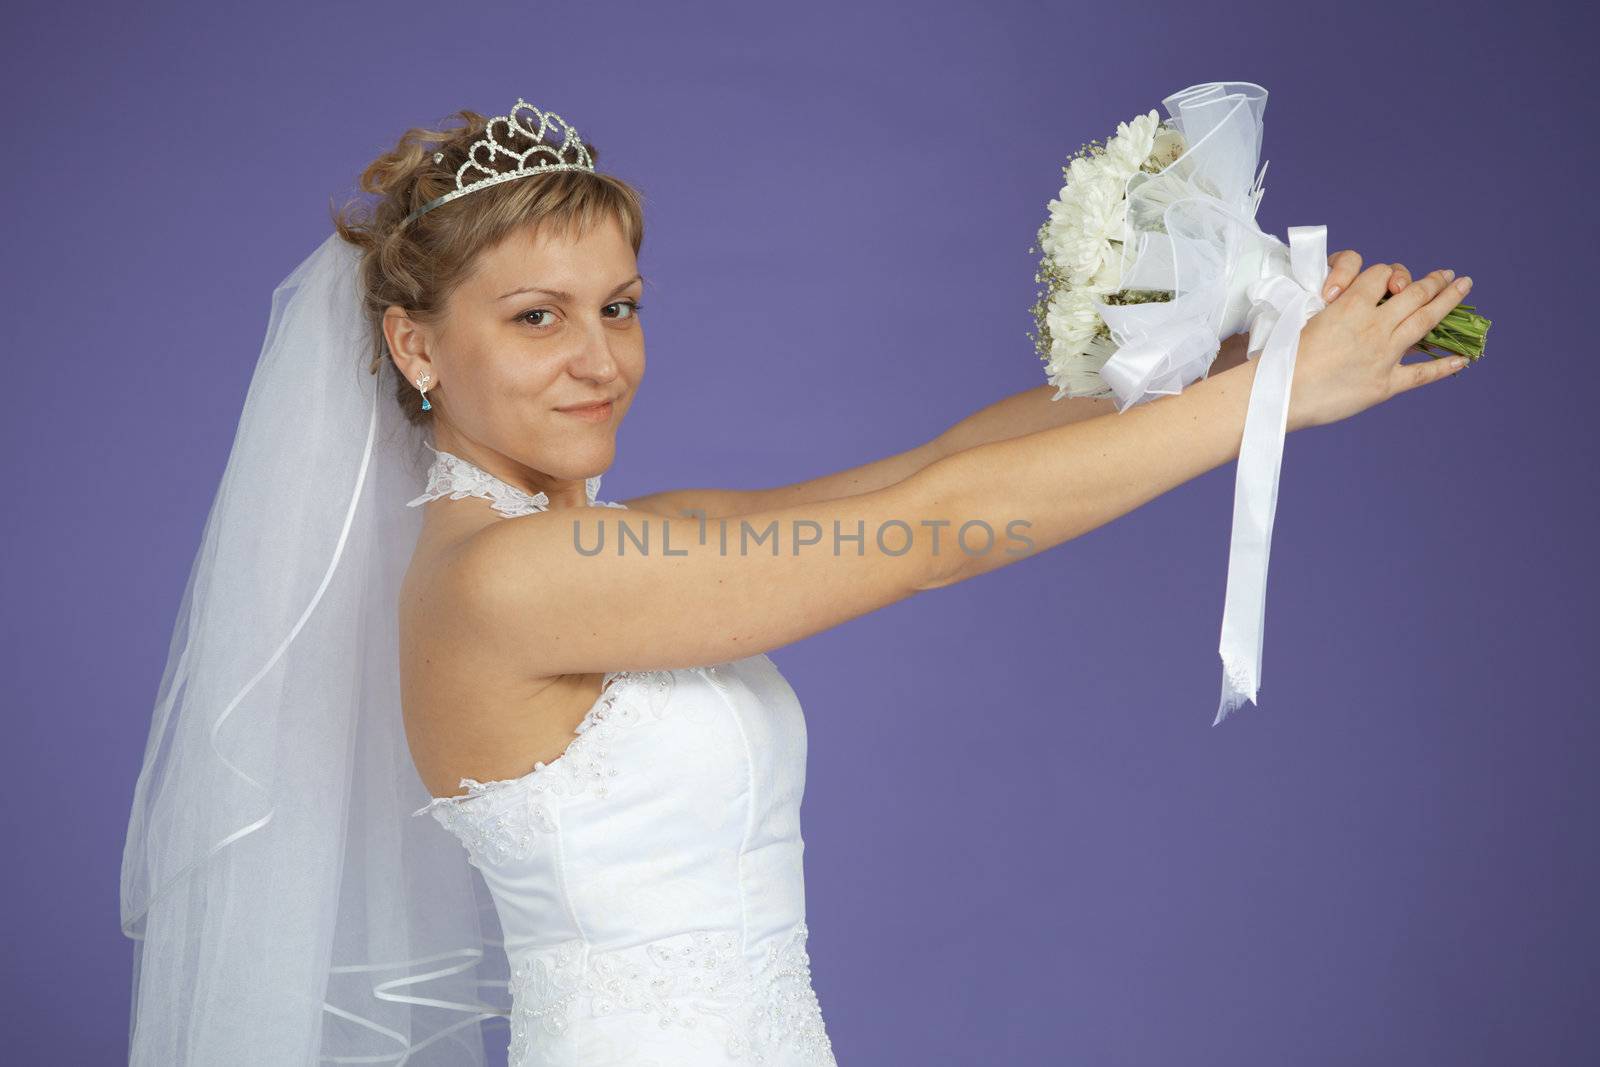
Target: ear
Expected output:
[408,345]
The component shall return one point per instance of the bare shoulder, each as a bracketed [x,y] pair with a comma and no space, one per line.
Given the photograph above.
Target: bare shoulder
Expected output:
[481,581]
[589,589]
[473,705]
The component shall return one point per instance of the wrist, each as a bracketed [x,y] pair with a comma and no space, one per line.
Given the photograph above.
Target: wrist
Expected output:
[1232,352]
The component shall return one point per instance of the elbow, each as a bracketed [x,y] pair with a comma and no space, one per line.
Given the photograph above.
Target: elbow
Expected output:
[963,531]
[930,506]
[938,581]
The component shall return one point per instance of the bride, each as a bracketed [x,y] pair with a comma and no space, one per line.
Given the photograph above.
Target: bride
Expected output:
[445,737]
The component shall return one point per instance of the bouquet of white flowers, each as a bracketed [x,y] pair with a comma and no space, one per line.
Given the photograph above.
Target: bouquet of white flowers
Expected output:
[1152,256]
[1091,243]
[1082,245]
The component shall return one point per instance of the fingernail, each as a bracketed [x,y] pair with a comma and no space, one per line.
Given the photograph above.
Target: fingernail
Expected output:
[1448,274]
[1333,291]
[1458,362]
[1464,283]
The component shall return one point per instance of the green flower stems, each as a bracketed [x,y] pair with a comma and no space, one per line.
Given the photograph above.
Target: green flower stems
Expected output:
[1462,332]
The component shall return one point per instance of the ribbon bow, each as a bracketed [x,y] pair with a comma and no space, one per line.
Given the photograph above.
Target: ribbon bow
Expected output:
[1190,229]
[1161,362]
[1279,307]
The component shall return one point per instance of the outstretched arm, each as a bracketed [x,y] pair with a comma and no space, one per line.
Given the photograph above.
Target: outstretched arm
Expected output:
[545,587]
[561,591]
[1021,413]
[1033,410]
[1026,412]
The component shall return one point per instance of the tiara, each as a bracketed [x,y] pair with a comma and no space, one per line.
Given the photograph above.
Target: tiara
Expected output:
[579,159]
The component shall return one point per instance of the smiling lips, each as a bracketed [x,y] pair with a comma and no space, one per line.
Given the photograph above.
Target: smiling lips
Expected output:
[597,412]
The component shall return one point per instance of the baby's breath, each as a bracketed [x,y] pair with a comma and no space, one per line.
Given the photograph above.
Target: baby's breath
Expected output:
[1080,251]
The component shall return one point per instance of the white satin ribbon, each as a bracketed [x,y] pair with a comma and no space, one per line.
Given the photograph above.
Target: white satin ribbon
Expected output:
[1280,304]
[1190,230]
[1161,362]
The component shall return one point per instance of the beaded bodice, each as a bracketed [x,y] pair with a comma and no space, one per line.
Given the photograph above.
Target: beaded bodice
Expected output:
[649,880]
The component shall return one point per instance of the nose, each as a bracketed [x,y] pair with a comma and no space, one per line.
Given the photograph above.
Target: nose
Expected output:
[594,359]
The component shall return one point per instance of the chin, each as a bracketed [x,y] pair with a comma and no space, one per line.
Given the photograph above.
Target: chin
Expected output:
[590,455]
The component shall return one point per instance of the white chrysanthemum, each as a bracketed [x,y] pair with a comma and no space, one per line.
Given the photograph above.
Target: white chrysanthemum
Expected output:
[1108,279]
[1082,215]
[1081,256]
[1062,247]
[1064,228]
[1132,145]
[1083,238]
[1050,241]
[1070,249]
[1083,235]
[1082,170]
[1072,318]
[1077,373]
[1098,213]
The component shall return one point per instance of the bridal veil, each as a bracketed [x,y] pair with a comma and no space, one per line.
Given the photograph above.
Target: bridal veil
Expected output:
[285,907]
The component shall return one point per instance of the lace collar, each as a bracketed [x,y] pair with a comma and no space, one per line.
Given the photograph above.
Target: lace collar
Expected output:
[452,476]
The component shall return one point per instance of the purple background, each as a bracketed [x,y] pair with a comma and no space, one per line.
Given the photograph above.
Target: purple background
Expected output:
[1025,841]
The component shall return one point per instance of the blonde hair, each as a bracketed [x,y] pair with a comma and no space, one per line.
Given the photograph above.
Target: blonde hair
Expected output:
[417,266]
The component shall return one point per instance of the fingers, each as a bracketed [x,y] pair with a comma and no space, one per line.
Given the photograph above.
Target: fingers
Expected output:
[1410,375]
[1400,278]
[1342,269]
[1411,306]
[1413,296]
[1371,284]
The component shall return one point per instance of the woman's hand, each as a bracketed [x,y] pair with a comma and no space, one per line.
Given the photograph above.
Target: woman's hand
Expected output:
[1350,351]
[1343,267]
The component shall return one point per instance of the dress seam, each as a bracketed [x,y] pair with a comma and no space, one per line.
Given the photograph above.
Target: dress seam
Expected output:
[561,871]
[749,809]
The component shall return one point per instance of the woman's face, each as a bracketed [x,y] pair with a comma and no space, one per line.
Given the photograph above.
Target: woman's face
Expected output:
[542,325]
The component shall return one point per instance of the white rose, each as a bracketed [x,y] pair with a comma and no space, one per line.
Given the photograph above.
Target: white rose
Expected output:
[1169,145]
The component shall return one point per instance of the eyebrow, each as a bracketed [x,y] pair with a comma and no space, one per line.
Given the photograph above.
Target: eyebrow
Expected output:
[561,295]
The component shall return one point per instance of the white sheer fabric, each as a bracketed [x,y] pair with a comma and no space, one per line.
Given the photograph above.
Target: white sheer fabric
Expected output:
[286,906]
[1191,230]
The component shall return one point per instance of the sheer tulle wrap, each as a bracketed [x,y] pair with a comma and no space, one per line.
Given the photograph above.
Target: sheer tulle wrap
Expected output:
[286,907]
[1191,229]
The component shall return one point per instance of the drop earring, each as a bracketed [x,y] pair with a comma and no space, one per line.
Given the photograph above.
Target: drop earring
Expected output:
[422,384]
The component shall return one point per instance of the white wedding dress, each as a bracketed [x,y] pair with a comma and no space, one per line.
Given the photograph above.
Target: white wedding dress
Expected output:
[649,880]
